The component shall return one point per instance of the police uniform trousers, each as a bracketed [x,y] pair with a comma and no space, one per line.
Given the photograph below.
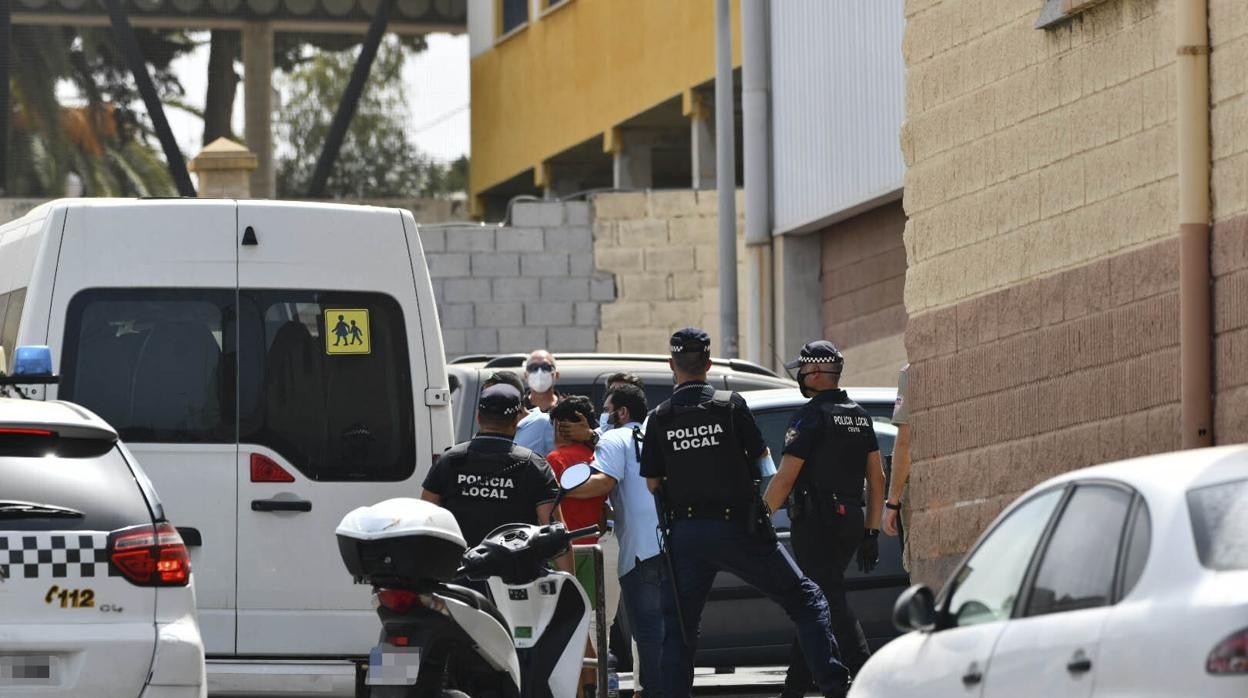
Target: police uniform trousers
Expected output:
[701,548]
[824,547]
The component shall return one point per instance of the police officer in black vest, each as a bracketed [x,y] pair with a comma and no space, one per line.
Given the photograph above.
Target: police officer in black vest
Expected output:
[829,449]
[701,448]
[490,481]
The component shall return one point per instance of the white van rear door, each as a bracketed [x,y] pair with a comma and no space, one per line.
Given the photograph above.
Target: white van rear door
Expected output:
[332,415]
[143,323]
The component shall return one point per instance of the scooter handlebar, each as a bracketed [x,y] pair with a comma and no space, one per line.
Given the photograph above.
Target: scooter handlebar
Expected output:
[582,532]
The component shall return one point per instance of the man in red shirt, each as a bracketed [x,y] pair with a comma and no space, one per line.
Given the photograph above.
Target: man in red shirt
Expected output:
[577,513]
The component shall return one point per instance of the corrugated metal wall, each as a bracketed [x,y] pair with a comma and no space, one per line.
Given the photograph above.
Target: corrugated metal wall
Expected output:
[838,100]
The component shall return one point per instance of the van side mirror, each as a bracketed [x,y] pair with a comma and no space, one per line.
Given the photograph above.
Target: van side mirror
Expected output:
[915,609]
[575,476]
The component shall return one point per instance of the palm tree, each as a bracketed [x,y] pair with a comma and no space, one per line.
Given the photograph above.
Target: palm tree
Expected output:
[102,143]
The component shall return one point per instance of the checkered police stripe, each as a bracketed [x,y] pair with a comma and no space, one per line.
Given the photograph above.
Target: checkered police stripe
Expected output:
[54,555]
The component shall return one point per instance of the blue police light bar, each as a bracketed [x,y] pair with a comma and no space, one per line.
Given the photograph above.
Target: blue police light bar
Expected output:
[32,365]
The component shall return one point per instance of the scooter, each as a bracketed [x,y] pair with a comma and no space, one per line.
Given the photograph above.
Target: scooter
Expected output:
[526,639]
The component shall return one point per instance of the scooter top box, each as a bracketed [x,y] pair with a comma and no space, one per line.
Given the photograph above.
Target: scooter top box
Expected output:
[401,539]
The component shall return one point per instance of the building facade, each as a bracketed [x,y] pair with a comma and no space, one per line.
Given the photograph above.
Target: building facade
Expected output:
[837,104]
[571,95]
[1042,191]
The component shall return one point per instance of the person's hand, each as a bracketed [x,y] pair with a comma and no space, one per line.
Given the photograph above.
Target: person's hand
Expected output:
[888,522]
[578,431]
[868,553]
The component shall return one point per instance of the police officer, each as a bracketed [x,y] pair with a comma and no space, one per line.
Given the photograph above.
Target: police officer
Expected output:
[829,448]
[490,481]
[701,447]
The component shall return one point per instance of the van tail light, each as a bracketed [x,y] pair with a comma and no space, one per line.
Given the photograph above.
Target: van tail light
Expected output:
[265,469]
[1230,656]
[151,556]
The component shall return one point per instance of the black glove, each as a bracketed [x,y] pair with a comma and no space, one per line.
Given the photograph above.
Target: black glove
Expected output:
[869,552]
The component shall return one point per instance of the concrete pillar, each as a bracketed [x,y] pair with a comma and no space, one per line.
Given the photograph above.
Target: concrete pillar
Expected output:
[631,166]
[258,104]
[798,292]
[701,139]
[224,168]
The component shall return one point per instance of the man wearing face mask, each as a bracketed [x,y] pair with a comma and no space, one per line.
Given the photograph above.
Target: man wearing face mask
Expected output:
[535,430]
[829,449]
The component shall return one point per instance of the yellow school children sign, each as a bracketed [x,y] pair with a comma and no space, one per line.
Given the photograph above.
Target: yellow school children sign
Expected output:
[346,331]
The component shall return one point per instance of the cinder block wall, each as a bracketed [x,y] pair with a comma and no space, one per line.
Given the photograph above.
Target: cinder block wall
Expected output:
[1041,193]
[662,248]
[521,287]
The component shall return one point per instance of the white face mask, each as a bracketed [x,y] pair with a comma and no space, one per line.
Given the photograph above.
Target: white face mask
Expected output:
[541,381]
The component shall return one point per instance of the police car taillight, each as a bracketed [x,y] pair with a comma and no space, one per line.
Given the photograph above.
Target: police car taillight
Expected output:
[1230,657]
[150,555]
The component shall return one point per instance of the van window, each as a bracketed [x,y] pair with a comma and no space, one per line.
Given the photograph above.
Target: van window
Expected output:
[335,401]
[157,364]
[10,315]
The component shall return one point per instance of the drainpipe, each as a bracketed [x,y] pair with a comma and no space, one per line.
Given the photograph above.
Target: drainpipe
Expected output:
[1195,290]
[726,180]
[756,116]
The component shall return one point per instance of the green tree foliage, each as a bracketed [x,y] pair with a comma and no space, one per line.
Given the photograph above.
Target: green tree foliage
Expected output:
[378,158]
[106,142]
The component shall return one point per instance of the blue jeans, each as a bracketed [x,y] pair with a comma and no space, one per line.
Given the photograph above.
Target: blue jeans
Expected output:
[642,589]
[703,547]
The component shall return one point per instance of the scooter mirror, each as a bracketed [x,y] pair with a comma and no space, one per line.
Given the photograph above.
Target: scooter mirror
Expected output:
[575,476]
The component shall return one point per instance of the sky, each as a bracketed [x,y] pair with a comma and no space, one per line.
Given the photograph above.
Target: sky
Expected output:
[437,90]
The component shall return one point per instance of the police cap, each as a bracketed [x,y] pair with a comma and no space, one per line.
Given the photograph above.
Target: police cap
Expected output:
[691,339]
[500,399]
[820,351]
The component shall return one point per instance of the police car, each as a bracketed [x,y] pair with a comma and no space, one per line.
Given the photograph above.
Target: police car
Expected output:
[96,594]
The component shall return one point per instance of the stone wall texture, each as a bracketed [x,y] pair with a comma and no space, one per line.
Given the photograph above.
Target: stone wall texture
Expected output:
[661,247]
[863,275]
[521,287]
[1042,249]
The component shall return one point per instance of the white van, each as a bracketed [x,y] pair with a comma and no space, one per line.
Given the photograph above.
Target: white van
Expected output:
[272,365]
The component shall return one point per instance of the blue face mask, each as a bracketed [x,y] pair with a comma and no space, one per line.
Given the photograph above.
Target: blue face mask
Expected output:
[603,424]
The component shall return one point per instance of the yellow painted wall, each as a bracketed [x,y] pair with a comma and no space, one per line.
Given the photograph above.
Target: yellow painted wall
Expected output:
[580,70]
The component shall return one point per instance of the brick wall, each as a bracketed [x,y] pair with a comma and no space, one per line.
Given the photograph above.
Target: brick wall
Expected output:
[1041,243]
[518,288]
[863,278]
[1031,151]
[662,248]
[1230,326]
[1018,385]
[1228,75]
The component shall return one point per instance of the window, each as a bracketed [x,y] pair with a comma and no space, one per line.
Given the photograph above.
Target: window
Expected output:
[154,363]
[110,501]
[985,589]
[1140,538]
[1220,523]
[513,14]
[11,304]
[1077,570]
[334,416]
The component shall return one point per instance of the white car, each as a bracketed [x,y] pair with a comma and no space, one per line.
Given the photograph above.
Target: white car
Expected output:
[96,595]
[1126,579]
